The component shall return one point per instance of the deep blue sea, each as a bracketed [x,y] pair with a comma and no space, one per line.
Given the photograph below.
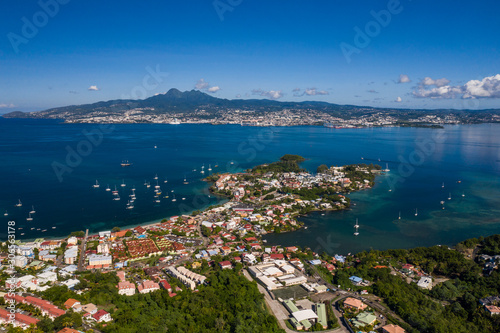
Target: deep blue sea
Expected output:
[52,166]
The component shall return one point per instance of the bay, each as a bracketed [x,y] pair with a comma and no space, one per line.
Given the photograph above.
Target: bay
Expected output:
[465,158]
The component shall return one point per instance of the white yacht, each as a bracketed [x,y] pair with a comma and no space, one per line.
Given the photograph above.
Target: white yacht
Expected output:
[96,185]
[19,204]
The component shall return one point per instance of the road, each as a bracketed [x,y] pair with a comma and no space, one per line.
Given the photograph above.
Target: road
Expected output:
[281,313]
[83,248]
[375,305]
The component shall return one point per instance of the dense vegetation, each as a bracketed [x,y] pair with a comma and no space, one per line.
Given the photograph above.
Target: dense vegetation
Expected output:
[451,306]
[229,303]
[287,163]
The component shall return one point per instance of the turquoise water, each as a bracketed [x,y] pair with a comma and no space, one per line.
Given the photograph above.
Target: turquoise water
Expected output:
[420,161]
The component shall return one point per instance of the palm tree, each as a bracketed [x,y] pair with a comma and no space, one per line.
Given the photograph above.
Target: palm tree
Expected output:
[67,322]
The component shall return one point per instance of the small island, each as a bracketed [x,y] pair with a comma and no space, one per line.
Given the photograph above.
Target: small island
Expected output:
[276,194]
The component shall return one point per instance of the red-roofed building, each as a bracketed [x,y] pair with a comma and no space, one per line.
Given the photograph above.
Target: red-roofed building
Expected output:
[225,264]
[71,302]
[392,329]
[126,288]
[102,316]
[148,286]
[20,320]
[165,285]
[277,256]
[140,230]
[68,330]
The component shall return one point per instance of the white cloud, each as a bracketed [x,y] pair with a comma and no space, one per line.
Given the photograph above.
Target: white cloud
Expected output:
[427,81]
[488,87]
[438,92]
[3,105]
[313,92]
[309,92]
[238,96]
[93,88]
[204,85]
[272,94]
[403,78]
[201,84]
[398,100]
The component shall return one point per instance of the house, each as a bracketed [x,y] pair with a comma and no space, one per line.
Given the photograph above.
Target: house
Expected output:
[165,285]
[355,304]
[364,319]
[68,330]
[492,309]
[225,264]
[71,303]
[89,308]
[356,280]
[391,328]
[126,288]
[425,282]
[148,286]
[102,316]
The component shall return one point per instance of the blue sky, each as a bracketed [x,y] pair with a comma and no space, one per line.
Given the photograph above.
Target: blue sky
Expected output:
[88,51]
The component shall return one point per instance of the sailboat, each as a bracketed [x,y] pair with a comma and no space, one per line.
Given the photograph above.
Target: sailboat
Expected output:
[33,211]
[416,212]
[123,183]
[29,218]
[108,189]
[165,181]
[156,177]
[399,218]
[116,198]
[387,167]
[209,168]
[96,185]
[356,226]
[115,192]
[183,198]
[19,204]
[6,213]
[463,194]
[185,181]
[442,186]
[174,199]
[202,167]
[449,197]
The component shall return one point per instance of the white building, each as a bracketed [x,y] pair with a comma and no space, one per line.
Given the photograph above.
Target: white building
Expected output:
[425,282]
[96,259]
[20,261]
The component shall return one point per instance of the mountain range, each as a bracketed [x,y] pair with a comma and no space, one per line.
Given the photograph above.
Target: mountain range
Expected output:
[177,102]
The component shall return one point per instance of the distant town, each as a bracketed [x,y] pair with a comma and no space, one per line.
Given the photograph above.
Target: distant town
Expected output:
[195,107]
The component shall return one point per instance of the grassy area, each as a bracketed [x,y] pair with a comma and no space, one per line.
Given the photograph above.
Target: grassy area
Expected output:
[295,292]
